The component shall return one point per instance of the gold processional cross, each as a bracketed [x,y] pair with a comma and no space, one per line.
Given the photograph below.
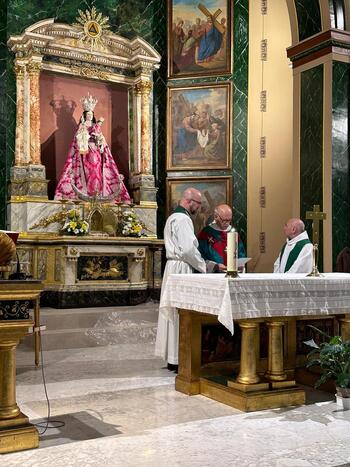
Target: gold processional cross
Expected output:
[207,13]
[316,216]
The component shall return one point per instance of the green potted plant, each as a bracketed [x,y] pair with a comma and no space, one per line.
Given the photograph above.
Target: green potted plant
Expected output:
[333,358]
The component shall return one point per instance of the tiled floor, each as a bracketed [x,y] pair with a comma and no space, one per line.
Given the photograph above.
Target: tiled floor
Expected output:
[119,406]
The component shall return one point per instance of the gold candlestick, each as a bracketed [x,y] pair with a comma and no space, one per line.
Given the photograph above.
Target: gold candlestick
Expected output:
[315,272]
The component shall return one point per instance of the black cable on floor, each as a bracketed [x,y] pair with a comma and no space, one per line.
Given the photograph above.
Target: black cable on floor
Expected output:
[53,423]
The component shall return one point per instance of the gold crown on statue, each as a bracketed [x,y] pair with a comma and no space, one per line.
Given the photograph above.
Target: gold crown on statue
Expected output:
[89,103]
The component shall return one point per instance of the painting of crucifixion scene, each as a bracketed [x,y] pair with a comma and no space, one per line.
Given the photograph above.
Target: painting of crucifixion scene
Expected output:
[199,127]
[199,37]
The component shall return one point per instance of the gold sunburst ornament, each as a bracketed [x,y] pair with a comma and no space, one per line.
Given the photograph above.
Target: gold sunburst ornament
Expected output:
[93,25]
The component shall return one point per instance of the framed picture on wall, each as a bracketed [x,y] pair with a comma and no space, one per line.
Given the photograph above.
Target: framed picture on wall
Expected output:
[199,127]
[215,190]
[199,38]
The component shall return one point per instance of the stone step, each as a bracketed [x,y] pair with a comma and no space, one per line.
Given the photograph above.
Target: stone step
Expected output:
[70,319]
[125,332]
[96,327]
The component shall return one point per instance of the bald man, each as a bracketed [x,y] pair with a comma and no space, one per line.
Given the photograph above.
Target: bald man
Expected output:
[213,237]
[296,253]
[183,257]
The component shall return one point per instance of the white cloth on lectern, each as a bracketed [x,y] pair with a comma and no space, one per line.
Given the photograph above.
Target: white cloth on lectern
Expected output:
[303,263]
[183,257]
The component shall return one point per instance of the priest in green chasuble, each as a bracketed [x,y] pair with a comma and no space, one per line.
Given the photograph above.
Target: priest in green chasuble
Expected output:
[296,253]
[213,237]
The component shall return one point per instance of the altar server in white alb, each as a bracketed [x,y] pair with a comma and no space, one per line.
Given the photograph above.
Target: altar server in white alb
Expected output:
[183,257]
[296,253]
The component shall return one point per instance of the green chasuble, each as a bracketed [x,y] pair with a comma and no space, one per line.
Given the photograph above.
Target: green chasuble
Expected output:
[293,255]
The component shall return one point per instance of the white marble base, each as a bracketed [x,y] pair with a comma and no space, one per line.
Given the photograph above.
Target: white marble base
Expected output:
[22,216]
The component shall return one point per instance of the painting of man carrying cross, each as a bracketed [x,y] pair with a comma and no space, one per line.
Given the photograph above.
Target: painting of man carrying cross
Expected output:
[199,38]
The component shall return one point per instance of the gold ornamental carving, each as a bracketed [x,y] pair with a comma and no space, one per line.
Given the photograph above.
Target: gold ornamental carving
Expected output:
[34,68]
[143,88]
[19,71]
[89,72]
[93,25]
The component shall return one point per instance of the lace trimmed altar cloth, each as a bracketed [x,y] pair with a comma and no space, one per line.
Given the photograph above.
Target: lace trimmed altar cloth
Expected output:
[256,295]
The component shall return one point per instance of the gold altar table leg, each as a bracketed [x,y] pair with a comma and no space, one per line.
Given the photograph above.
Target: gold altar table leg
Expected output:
[16,433]
[275,369]
[190,335]
[37,335]
[345,327]
[247,373]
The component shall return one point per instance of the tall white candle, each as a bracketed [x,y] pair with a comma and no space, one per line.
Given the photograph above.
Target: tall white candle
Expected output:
[232,250]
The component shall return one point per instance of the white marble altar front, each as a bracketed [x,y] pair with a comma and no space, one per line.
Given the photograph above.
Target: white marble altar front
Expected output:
[120,407]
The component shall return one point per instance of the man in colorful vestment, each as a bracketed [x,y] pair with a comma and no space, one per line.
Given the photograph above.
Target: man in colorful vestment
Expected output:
[213,237]
[183,257]
[296,253]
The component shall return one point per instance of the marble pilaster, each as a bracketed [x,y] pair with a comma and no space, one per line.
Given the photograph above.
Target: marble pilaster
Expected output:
[34,67]
[19,143]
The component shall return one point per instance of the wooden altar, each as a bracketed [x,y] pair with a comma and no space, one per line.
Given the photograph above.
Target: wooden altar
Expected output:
[255,381]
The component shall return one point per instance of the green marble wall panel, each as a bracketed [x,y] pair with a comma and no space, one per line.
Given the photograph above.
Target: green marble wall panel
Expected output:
[240,115]
[239,80]
[340,158]
[309,18]
[311,144]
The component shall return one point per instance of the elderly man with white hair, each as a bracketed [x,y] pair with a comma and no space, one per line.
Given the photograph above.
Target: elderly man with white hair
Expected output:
[296,253]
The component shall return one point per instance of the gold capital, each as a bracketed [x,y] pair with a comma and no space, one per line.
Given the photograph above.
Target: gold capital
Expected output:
[143,87]
[34,68]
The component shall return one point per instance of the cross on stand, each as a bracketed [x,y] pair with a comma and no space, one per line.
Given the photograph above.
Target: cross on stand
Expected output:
[316,216]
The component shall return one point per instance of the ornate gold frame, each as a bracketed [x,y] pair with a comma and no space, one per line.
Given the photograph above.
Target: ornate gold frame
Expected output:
[229,42]
[228,165]
[192,181]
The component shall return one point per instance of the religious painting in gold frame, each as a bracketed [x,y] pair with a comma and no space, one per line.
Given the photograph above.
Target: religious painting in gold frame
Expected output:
[199,38]
[199,127]
[215,190]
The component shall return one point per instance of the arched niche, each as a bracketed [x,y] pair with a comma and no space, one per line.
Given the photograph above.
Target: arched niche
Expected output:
[73,59]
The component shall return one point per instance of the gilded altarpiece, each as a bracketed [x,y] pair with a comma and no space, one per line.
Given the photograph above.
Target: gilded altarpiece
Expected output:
[89,52]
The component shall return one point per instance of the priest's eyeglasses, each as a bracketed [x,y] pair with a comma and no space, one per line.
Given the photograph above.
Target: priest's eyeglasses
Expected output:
[198,202]
[226,221]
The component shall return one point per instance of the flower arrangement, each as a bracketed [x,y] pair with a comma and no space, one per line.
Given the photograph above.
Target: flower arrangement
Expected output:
[74,225]
[130,226]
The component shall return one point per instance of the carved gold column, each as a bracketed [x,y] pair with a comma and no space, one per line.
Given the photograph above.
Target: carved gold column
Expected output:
[145,89]
[34,68]
[275,369]
[19,144]
[137,113]
[247,373]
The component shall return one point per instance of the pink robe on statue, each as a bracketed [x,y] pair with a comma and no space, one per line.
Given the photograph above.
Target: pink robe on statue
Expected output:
[94,172]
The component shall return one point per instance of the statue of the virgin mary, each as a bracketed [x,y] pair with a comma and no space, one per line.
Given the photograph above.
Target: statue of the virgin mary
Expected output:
[90,166]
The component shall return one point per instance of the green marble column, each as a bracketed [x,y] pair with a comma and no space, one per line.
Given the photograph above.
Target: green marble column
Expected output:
[309,18]
[340,157]
[311,146]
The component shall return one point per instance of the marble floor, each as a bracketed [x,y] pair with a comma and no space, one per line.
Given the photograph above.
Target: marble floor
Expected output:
[119,407]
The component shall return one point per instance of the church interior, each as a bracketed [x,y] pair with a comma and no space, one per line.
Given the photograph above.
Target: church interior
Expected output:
[111,111]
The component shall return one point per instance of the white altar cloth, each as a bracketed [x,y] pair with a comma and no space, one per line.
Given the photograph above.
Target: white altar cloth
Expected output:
[256,295]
